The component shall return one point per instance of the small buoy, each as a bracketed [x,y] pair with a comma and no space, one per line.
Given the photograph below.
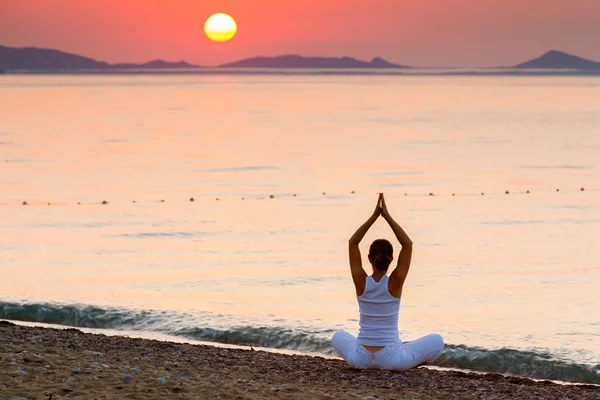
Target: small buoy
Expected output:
[558,190]
[243,198]
[191,199]
[482,193]
[162,201]
[105,202]
[48,203]
[294,194]
[405,194]
[353,192]
[134,201]
[78,203]
[323,193]
[218,199]
[528,192]
[507,192]
[583,189]
[431,194]
[453,194]
[24,203]
[271,196]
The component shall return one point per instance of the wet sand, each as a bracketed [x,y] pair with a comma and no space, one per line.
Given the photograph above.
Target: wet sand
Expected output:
[42,363]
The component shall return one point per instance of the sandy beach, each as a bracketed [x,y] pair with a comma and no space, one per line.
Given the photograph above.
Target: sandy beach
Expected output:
[42,363]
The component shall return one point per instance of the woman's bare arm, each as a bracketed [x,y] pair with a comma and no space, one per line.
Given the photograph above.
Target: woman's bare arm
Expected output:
[356,269]
[398,275]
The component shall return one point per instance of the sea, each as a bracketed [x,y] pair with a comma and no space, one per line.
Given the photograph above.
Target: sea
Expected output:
[218,207]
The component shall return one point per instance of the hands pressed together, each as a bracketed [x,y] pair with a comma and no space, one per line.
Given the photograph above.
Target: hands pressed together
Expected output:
[381,208]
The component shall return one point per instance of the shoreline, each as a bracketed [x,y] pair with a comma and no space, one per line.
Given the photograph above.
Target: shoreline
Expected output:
[154,336]
[72,364]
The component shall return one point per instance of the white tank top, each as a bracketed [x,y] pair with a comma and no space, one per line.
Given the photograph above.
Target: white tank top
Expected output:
[378,314]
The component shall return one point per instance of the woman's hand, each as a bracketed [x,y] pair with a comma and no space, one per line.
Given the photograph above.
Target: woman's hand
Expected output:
[384,211]
[362,230]
[378,210]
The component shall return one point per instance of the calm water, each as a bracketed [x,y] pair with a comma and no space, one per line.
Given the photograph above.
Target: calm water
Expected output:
[514,275]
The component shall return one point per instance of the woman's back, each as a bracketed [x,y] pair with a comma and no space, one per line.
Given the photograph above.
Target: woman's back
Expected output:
[378,314]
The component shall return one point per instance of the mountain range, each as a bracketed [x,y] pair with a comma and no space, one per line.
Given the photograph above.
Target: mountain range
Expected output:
[295,61]
[34,59]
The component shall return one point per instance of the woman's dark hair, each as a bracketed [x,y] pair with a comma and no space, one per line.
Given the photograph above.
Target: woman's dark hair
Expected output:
[381,254]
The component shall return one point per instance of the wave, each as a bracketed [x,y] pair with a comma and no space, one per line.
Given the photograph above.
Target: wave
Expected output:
[529,364]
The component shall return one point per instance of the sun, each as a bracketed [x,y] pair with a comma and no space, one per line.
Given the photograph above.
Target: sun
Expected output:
[220,27]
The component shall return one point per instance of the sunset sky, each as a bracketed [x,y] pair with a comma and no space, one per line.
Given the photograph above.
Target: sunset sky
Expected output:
[414,32]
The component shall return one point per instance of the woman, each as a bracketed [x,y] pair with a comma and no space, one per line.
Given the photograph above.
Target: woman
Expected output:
[378,345]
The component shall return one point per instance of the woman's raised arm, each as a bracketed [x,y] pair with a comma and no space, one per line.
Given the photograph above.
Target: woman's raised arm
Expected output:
[358,273]
[398,275]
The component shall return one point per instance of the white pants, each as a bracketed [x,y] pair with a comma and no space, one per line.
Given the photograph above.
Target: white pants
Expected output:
[395,357]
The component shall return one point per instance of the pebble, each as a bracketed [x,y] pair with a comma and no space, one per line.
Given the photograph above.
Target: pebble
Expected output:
[244,368]
[127,378]
[70,380]
[136,370]
[285,387]
[93,353]
[92,371]
[76,370]
[33,359]
[161,381]
[18,372]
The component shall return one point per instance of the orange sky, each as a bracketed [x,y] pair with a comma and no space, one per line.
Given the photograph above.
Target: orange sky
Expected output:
[414,32]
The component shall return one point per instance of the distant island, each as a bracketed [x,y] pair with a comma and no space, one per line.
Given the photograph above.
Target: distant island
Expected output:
[34,59]
[295,61]
[155,64]
[31,59]
[558,60]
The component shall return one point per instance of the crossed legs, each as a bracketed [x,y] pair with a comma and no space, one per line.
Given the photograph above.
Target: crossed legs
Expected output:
[397,357]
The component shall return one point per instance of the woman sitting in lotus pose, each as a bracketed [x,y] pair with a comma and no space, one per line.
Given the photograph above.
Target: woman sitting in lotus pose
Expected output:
[378,345]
